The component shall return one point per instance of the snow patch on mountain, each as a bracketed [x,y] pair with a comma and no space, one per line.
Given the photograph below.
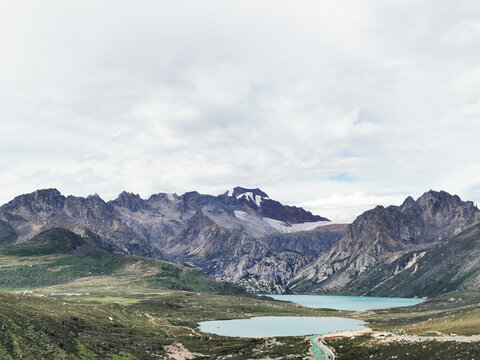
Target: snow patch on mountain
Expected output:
[285,227]
[240,214]
[252,224]
[257,199]
[275,226]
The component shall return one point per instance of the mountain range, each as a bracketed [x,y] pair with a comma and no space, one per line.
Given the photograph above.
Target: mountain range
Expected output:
[241,236]
[247,238]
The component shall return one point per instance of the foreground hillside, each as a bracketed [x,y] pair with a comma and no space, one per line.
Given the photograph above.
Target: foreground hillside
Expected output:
[69,300]
[163,326]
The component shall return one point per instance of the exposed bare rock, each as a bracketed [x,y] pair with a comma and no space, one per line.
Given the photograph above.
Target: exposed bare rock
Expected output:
[89,217]
[382,234]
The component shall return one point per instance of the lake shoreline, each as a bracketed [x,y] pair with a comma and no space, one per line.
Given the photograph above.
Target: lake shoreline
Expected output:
[346,303]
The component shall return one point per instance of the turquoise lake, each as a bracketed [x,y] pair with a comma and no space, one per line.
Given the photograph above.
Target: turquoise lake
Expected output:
[263,326]
[355,303]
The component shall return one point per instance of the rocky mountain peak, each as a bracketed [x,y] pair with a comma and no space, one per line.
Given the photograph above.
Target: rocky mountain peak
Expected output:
[162,197]
[131,201]
[39,200]
[408,204]
[239,191]
[46,192]
[433,201]
[253,197]
[259,201]
[48,196]
[441,210]
[95,197]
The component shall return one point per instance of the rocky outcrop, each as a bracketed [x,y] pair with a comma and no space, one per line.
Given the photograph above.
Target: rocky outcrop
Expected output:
[381,234]
[261,263]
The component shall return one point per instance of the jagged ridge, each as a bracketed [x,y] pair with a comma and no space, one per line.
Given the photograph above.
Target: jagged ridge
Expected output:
[382,234]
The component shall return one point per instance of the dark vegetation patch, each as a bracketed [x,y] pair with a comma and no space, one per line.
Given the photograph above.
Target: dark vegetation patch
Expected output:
[8,234]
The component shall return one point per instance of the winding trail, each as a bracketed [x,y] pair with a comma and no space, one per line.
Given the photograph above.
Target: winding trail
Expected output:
[319,350]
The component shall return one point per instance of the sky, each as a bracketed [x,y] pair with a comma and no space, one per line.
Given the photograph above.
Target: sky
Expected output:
[336,106]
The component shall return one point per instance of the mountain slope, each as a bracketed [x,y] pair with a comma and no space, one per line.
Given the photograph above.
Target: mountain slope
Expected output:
[450,266]
[265,263]
[382,234]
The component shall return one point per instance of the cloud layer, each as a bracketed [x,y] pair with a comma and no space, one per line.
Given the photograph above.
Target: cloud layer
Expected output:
[316,102]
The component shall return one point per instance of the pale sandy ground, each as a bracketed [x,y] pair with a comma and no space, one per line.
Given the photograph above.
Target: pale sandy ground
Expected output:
[349,333]
[389,337]
[179,352]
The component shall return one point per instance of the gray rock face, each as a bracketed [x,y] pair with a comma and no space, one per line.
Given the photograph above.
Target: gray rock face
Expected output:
[89,217]
[8,234]
[447,266]
[382,234]
[226,236]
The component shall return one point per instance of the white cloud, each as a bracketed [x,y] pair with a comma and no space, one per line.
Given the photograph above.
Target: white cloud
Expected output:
[297,98]
[345,207]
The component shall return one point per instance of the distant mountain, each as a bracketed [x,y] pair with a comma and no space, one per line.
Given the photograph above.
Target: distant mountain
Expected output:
[227,236]
[388,236]
[451,265]
[268,208]
[30,214]
[232,236]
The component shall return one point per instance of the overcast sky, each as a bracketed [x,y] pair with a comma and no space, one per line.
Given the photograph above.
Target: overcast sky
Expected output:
[332,105]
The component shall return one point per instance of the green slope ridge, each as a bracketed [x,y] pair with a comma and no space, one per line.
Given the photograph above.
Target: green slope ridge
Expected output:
[58,256]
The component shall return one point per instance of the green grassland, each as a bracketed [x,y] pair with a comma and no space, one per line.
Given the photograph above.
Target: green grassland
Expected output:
[62,299]
[452,313]
[60,304]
